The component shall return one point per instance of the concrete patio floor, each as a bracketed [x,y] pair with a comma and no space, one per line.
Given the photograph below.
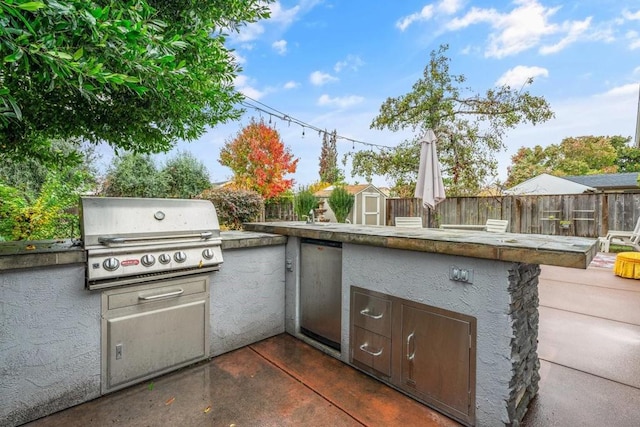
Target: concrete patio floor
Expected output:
[589,346]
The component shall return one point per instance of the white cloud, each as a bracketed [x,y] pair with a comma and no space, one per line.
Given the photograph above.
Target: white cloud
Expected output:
[518,76]
[631,88]
[424,15]
[340,102]
[634,39]
[248,33]
[449,7]
[318,78]
[522,28]
[243,85]
[280,46]
[474,16]
[283,16]
[444,7]
[631,16]
[291,85]
[352,62]
[636,71]
[575,30]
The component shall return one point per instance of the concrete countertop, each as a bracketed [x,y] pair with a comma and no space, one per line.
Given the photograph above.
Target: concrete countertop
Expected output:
[563,251]
[40,253]
[43,253]
[247,239]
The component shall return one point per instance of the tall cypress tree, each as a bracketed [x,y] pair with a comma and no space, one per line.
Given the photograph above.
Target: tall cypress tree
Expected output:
[329,171]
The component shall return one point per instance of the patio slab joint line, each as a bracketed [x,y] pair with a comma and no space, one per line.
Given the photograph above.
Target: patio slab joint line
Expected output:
[288,373]
[590,373]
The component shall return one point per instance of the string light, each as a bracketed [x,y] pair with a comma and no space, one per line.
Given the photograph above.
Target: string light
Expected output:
[264,108]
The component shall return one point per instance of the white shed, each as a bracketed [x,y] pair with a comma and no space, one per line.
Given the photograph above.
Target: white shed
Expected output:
[369,207]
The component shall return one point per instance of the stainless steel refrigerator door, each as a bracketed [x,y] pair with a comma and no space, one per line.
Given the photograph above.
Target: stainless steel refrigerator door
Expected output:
[321,290]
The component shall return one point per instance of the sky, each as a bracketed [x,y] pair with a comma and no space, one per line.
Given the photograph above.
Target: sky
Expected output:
[331,64]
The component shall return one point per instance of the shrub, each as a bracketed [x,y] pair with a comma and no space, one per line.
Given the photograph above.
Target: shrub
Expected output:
[341,203]
[303,202]
[50,216]
[234,207]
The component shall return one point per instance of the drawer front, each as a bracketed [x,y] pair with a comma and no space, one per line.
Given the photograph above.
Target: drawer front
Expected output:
[135,295]
[372,350]
[372,313]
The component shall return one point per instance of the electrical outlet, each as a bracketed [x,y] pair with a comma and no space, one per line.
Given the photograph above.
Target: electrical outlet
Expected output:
[457,274]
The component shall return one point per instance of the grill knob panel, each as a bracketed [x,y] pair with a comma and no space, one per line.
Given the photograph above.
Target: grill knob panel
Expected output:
[148,260]
[180,256]
[111,264]
[164,259]
[207,253]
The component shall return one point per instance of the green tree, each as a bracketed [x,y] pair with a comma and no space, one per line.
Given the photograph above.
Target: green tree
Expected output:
[341,202]
[134,175]
[582,155]
[28,175]
[470,127]
[628,159]
[186,176]
[138,74]
[329,170]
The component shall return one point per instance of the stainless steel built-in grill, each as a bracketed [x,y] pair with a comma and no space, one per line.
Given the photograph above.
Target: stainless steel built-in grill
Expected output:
[131,240]
[152,259]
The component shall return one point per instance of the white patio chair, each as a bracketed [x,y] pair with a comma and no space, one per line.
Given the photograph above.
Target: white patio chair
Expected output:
[497,225]
[618,237]
[408,221]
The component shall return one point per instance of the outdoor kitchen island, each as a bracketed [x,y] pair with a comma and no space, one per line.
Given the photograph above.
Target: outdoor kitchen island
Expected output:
[449,317]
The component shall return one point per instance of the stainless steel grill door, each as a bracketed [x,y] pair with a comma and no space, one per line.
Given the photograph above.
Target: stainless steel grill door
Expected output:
[149,330]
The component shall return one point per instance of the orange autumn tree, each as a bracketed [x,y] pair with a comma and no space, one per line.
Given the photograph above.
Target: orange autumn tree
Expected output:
[259,160]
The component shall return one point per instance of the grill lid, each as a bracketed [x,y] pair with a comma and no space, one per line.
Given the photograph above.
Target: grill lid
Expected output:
[107,221]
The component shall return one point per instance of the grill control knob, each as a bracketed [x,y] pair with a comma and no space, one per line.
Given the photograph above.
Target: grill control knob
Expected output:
[207,253]
[180,256]
[111,264]
[164,259]
[148,260]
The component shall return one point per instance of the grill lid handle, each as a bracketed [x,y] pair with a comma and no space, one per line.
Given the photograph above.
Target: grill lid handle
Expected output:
[120,240]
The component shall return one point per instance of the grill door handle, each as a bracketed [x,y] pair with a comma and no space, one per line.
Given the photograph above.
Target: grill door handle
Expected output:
[160,296]
[205,235]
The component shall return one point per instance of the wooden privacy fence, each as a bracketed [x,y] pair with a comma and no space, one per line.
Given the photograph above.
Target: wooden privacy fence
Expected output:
[585,215]
[280,211]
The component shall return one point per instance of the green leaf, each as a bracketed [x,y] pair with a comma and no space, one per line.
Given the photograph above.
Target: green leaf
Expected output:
[31,6]
[61,55]
[78,54]
[16,108]
[14,56]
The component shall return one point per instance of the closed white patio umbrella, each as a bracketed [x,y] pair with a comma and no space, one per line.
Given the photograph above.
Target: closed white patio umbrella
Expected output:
[429,187]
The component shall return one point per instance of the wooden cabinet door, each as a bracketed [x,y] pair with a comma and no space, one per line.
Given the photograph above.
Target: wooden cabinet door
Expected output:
[438,358]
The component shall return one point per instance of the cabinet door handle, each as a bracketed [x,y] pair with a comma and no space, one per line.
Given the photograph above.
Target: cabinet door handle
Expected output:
[365,312]
[167,295]
[364,348]
[410,355]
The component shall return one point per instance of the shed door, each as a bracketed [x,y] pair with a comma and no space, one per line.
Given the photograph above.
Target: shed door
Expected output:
[371,209]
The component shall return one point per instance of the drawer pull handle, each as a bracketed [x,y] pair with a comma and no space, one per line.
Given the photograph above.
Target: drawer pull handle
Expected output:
[167,295]
[364,348]
[365,312]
